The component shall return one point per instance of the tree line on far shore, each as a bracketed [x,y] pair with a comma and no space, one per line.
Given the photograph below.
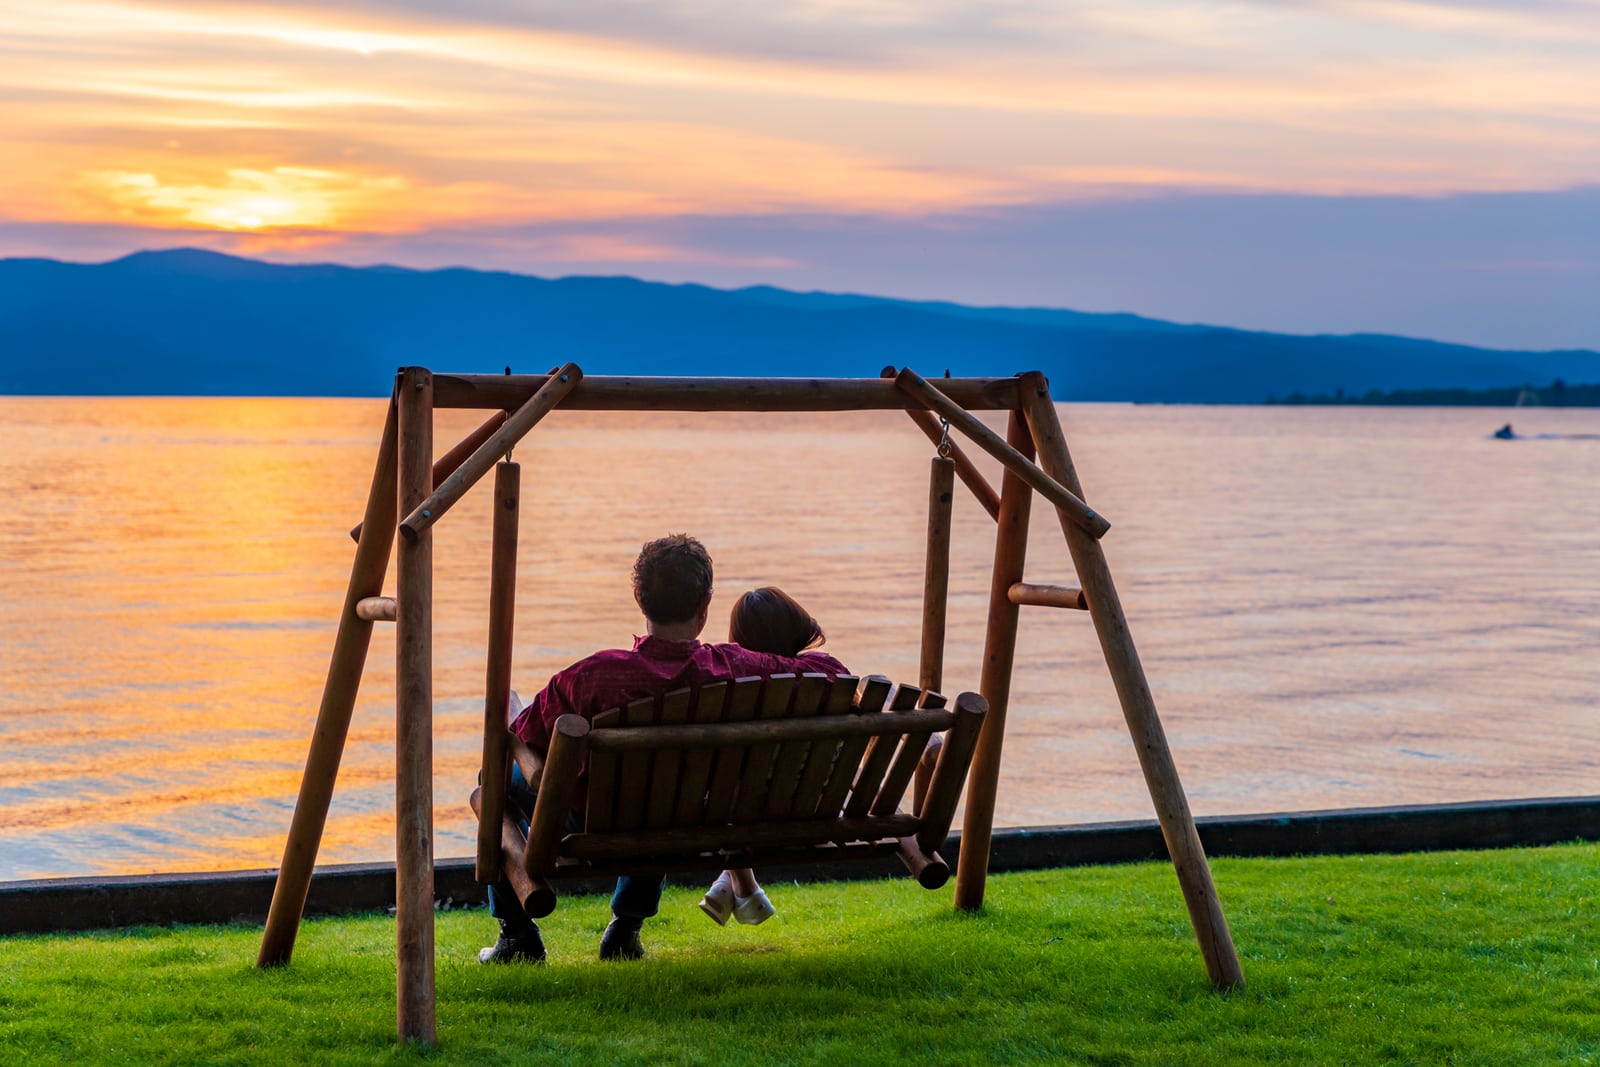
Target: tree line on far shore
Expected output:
[1558,394]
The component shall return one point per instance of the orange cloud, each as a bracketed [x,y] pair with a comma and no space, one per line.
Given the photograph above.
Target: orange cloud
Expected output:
[288,120]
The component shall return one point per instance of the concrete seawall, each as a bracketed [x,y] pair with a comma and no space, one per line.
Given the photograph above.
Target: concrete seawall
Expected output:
[57,904]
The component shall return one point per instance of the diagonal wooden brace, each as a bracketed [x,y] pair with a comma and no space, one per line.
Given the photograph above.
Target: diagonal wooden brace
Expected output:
[1069,503]
[515,428]
[446,465]
[970,476]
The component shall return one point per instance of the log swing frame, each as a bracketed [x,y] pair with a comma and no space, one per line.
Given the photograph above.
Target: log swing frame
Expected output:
[411,491]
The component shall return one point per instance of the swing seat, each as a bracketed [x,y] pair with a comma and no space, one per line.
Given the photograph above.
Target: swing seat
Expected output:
[786,769]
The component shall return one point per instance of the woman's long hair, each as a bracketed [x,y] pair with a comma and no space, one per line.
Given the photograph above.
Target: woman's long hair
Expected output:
[770,620]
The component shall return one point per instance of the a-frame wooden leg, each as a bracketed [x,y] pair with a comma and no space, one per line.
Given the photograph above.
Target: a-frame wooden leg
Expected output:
[999,650]
[1138,705]
[333,717]
[414,1006]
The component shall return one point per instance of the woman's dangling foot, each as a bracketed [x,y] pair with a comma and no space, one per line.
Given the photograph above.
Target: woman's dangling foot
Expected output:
[754,909]
[718,902]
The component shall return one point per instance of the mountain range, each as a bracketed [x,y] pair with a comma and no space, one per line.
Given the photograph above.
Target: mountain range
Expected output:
[189,322]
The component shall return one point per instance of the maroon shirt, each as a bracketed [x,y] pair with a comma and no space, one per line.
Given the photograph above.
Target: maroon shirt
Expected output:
[615,677]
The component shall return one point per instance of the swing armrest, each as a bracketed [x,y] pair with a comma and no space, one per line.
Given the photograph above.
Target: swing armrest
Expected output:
[530,762]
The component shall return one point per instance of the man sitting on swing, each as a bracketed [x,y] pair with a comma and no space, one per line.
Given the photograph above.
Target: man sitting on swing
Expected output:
[672,586]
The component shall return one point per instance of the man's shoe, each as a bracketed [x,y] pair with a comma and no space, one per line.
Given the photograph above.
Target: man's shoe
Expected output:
[718,901]
[621,940]
[754,909]
[518,948]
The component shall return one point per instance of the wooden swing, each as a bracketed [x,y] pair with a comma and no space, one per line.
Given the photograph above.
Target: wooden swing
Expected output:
[410,492]
[733,774]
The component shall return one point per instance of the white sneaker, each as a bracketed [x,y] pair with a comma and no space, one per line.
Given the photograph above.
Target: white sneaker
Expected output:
[754,909]
[718,901]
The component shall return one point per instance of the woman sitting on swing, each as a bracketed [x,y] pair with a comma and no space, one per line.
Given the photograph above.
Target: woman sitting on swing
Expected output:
[763,620]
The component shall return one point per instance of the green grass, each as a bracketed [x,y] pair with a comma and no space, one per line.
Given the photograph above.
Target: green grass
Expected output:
[1443,958]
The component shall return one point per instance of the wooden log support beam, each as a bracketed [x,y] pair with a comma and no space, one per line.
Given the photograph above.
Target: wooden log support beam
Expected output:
[944,787]
[601,393]
[538,899]
[568,745]
[936,573]
[446,464]
[415,1017]
[1047,596]
[999,651]
[333,716]
[516,427]
[1138,704]
[928,868]
[1071,505]
[530,761]
[497,674]
[376,609]
[970,476]
[935,594]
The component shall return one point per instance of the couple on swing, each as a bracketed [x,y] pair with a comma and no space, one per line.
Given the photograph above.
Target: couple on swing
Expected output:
[768,634]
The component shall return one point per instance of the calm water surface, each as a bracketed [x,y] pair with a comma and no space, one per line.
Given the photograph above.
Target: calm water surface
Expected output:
[1336,607]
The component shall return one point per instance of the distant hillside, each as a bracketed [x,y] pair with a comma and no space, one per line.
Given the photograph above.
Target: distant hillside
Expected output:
[191,322]
[1558,394]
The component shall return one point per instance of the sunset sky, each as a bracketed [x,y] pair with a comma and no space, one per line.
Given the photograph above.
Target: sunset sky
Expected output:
[1429,168]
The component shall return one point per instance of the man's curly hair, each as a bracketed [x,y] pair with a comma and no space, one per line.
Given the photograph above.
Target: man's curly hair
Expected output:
[672,578]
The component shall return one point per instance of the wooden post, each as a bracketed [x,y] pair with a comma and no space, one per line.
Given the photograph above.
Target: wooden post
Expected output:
[1138,705]
[935,596]
[414,1005]
[333,717]
[999,651]
[497,683]
[936,572]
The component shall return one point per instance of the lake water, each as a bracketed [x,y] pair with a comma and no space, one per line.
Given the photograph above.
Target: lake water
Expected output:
[1336,607]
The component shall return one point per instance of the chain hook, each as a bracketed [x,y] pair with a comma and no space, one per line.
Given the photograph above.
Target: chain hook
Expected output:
[944,439]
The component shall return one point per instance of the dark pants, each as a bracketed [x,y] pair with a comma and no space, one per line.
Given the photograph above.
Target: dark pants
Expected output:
[638,896]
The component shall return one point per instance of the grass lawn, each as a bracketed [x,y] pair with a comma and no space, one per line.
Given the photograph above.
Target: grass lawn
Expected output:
[1441,958]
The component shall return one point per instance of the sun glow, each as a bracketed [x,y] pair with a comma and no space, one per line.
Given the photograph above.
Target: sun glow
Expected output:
[244,198]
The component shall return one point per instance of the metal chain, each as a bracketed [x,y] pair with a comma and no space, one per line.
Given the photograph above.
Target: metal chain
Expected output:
[944,440]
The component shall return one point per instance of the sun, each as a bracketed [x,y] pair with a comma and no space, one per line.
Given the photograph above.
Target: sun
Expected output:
[251,199]
[252,213]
